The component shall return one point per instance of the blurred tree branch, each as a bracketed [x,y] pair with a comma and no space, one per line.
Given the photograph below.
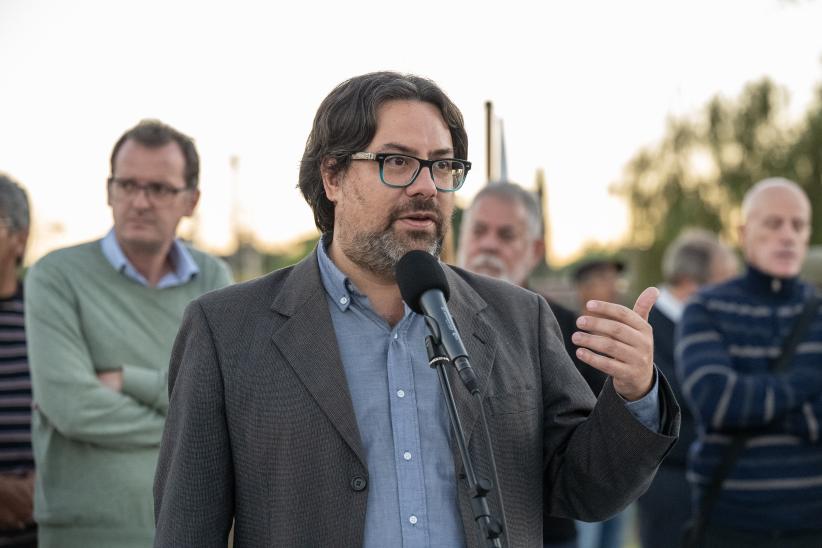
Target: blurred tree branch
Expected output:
[700,170]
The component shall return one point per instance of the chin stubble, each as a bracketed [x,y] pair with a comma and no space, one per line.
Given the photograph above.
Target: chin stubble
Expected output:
[380,251]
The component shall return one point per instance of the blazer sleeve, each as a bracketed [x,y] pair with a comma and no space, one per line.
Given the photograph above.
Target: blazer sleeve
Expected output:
[194,484]
[596,466]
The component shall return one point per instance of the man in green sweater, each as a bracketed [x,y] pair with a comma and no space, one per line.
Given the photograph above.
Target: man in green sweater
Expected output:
[101,318]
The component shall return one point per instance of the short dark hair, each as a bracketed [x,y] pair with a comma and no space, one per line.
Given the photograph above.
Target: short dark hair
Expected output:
[346,122]
[14,204]
[156,134]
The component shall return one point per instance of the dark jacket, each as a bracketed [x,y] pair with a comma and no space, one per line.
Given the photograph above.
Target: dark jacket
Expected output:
[261,427]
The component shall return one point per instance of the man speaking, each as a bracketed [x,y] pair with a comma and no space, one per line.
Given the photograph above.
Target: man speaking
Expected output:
[302,405]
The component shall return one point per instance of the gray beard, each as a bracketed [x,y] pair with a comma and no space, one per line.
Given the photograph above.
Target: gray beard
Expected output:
[379,252]
[488,264]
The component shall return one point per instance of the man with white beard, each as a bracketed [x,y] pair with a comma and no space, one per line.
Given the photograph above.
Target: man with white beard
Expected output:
[502,236]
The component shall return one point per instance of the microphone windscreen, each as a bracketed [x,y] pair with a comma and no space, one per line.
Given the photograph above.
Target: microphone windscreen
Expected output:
[416,273]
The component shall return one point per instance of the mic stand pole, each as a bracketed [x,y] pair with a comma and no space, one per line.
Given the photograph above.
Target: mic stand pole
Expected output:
[490,529]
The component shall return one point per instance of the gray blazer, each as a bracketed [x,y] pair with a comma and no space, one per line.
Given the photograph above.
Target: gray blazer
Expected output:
[261,427]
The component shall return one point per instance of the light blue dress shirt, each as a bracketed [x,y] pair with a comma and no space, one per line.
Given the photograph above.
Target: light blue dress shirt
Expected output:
[184,266]
[403,422]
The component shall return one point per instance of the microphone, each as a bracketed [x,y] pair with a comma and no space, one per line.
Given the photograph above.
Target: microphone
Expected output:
[424,288]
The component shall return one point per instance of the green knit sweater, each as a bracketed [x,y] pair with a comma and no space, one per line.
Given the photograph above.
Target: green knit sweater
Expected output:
[96,449]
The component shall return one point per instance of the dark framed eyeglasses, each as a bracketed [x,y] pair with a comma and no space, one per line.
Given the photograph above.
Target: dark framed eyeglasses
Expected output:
[159,194]
[401,170]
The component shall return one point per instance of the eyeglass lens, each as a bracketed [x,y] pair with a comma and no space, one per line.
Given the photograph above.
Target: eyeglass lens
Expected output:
[156,192]
[400,170]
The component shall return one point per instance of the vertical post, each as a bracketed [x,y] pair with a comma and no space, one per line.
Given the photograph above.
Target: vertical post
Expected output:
[234,220]
[489,140]
[542,196]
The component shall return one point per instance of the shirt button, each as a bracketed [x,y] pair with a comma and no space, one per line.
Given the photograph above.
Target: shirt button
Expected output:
[358,483]
[400,393]
[412,520]
[406,455]
[343,300]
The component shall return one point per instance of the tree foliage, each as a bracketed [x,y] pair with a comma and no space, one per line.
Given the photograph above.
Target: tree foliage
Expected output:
[698,173]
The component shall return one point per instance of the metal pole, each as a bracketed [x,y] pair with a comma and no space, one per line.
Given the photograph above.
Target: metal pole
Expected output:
[489,133]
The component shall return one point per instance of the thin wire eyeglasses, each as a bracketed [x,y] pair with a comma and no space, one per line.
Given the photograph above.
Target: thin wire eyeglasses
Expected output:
[401,170]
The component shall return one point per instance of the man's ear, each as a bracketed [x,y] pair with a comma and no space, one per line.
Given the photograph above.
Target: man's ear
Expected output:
[537,253]
[19,241]
[331,178]
[192,200]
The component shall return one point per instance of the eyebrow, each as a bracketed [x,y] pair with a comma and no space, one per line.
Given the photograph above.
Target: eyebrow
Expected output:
[439,153]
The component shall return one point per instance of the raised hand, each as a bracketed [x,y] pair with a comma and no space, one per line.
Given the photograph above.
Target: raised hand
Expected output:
[619,342]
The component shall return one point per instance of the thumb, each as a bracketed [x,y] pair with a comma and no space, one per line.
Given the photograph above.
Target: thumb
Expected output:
[645,301]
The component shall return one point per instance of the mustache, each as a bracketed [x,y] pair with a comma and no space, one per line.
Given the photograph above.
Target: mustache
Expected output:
[487,260]
[416,205]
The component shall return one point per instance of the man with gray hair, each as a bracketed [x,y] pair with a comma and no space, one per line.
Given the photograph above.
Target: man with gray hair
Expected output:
[696,258]
[502,236]
[502,233]
[16,460]
[731,337]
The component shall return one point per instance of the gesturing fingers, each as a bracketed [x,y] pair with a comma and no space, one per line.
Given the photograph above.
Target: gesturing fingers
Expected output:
[615,321]
[636,318]
[609,347]
[619,342]
[645,302]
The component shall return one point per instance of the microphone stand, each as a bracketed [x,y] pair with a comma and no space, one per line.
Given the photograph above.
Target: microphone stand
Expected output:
[489,528]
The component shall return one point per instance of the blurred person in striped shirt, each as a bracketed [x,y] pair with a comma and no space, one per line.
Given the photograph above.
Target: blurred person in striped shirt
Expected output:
[16,461]
[728,336]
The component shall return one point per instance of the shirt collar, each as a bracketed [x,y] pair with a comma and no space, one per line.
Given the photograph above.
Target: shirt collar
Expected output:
[669,305]
[769,286]
[336,283]
[185,268]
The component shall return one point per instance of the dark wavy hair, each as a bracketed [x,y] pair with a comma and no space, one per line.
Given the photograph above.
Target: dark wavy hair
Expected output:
[156,134]
[346,122]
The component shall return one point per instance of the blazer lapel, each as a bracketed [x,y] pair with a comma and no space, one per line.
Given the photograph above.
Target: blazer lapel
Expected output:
[307,340]
[480,343]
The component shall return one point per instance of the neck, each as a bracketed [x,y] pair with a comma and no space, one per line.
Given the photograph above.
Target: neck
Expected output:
[683,290]
[382,291]
[152,265]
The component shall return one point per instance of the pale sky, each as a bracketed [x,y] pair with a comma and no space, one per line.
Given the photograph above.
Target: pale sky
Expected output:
[581,86]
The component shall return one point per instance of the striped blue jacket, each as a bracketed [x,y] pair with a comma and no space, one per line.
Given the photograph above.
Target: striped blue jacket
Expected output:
[727,338]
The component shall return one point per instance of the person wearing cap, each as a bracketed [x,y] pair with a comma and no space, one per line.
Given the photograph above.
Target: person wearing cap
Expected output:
[597,280]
